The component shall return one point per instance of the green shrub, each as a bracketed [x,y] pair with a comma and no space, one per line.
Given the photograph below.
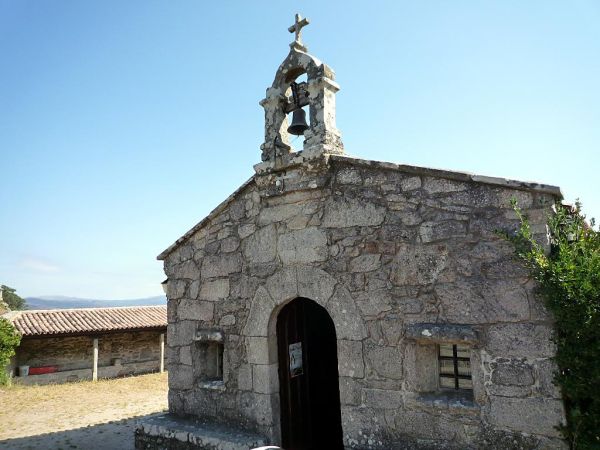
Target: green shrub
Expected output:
[9,340]
[569,281]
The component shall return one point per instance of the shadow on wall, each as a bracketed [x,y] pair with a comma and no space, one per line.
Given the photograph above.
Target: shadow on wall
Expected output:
[113,435]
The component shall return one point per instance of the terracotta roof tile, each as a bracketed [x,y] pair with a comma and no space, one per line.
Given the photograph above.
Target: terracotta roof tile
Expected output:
[87,320]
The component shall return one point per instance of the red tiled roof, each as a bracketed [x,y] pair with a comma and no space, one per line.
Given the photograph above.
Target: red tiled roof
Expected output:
[87,320]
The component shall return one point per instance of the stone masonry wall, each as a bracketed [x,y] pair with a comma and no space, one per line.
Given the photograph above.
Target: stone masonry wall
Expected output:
[73,353]
[382,249]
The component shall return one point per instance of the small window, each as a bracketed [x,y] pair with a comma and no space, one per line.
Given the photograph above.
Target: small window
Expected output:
[208,361]
[455,367]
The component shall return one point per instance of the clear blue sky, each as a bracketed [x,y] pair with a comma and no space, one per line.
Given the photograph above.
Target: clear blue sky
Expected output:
[122,124]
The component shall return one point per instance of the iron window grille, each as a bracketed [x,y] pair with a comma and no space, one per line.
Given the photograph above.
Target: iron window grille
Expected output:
[455,367]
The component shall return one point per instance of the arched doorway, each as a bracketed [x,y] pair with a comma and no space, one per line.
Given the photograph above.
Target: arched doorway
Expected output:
[308,377]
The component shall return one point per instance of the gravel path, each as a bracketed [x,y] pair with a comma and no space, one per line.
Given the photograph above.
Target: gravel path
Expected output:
[83,415]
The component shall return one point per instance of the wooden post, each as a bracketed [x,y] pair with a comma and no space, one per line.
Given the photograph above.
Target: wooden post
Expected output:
[161,340]
[95,366]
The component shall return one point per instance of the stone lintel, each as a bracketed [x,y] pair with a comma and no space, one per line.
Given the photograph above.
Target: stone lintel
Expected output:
[453,175]
[208,335]
[443,333]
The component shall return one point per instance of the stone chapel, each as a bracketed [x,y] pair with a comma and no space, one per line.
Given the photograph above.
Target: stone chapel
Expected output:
[333,302]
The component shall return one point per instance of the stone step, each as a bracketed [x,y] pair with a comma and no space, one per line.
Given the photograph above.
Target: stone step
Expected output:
[167,432]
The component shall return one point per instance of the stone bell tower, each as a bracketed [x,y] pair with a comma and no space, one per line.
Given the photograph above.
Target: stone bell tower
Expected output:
[285,95]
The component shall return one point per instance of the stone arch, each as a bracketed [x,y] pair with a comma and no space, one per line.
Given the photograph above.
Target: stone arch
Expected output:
[286,285]
[294,65]
[260,330]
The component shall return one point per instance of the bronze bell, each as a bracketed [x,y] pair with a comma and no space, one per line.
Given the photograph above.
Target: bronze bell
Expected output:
[299,125]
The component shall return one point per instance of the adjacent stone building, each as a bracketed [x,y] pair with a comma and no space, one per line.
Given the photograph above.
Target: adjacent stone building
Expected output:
[89,343]
[335,302]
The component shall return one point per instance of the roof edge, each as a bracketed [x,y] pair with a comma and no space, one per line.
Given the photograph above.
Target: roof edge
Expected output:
[220,207]
[21,311]
[454,175]
[417,170]
[80,333]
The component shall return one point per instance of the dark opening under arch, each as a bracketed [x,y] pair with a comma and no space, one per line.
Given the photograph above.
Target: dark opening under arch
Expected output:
[308,377]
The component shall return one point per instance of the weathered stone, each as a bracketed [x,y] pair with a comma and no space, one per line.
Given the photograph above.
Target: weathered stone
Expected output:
[440,332]
[265,378]
[262,245]
[188,270]
[438,231]
[257,350]
[350,391]
[302,246]
[185,355]
[351,213]
[221,266]
[350,359]
[214,290]
[181,377]
[194,289]
[520,340]
[246,230]
[482,303]
[297,222]
[349,176]
[227,320]
[391,330]
[237,210]
[428,426]
[420,365]
[315,284]
[282,285]
[384,399]
[244,377]
[536,415]
[502,390]
[181,333]
[409,305]
[195,310]
[418,264]
[374,302]
[230,244]
[512,373]
[441,185]
[176,289]
[278,213]
[348,324]
[546,368]
[385,361]
[364,263]
[259,408]
[260,313]
[410,184]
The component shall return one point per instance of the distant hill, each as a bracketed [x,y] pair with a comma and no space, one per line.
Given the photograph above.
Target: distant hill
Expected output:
[60,302]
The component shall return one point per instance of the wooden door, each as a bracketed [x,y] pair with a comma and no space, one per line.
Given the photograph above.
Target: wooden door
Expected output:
[308,376]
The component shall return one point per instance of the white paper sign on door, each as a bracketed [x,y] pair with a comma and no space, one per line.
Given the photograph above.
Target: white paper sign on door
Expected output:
[295,351]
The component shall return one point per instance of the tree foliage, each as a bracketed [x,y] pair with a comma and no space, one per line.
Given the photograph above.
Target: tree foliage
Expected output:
[9,340]
[569,281]
[13,301]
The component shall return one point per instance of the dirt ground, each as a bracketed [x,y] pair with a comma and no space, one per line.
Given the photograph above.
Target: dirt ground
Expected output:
[82,415]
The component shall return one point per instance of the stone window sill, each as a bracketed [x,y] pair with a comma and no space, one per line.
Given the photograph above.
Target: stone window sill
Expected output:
[214,385]
[454,401]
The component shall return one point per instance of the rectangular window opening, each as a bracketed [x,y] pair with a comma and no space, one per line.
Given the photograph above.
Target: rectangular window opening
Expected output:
[455,367]
[207,362]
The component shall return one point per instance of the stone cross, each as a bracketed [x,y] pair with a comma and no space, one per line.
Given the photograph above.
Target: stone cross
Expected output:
[297,27]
